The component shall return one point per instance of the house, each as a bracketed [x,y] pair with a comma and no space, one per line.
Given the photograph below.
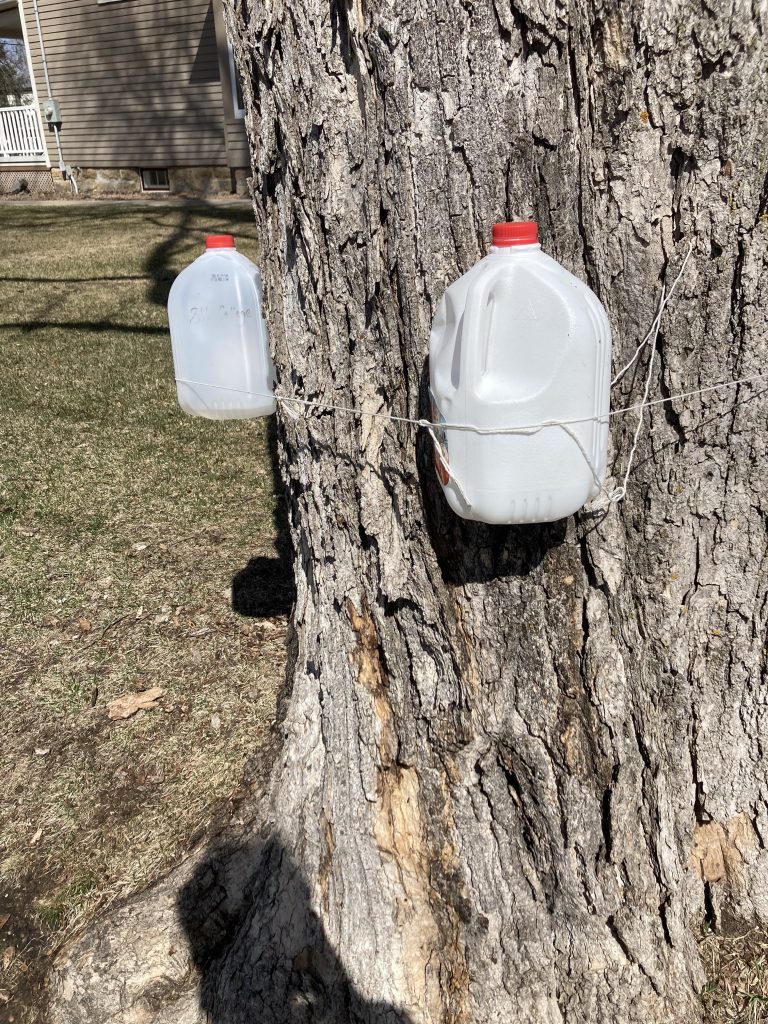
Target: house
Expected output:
[121,96]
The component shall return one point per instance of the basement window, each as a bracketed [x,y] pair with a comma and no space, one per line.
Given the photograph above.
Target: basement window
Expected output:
[155,179]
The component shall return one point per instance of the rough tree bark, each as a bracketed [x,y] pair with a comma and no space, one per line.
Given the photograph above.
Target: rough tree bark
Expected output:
[520,767]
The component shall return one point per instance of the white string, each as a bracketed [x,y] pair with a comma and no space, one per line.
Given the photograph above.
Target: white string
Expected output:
[526,428]
[619,492]
[654,328]
[609,497]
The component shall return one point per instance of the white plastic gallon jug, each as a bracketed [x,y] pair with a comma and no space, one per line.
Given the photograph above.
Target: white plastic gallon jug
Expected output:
[516,342]
[219,337]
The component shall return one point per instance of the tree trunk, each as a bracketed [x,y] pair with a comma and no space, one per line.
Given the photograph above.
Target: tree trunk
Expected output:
[522,766]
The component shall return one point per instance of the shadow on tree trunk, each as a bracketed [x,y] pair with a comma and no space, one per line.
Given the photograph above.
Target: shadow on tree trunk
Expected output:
[466,551]
[260,947]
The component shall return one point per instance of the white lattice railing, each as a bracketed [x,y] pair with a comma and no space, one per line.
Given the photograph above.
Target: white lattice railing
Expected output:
[21,135]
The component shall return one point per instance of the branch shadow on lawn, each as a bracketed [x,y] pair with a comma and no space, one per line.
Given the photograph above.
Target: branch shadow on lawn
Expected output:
[165,255]
[99,326]
[162,263]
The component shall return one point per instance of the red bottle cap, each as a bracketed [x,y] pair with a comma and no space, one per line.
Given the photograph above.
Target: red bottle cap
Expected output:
[516,232]
[220,242]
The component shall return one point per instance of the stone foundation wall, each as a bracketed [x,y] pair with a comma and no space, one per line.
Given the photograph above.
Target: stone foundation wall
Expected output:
[191,181]
[126,181]
[108,180]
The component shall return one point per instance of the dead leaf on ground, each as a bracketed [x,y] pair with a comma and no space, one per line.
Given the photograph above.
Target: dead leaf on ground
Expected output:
[9,954]
[36,837]
[4,919]
[130,703]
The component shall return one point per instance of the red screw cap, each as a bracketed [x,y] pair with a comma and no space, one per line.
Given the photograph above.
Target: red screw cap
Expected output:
[220,242]
[516,232]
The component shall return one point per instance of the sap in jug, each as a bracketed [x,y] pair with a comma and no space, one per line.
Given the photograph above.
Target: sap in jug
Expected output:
[517,342]
[219,336]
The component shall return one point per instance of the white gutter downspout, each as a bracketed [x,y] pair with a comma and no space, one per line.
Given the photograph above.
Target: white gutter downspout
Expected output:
[65,170]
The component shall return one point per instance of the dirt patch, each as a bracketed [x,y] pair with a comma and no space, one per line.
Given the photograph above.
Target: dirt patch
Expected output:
[23,954]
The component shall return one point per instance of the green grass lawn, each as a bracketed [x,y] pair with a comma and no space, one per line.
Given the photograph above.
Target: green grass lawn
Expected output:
[122,526]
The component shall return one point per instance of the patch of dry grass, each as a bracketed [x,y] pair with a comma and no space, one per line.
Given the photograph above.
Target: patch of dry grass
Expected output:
[122,525]
[737,967]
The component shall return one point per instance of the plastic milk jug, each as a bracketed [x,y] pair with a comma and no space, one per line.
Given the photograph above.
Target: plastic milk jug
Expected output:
[517,342]
[219,337]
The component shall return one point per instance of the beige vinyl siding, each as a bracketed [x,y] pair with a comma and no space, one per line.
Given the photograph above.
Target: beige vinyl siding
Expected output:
[138,81]
[238,154]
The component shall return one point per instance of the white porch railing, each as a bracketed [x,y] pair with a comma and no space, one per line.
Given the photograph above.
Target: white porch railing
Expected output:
[21,135]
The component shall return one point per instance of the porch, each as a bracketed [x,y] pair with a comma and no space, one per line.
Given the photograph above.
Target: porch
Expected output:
[21,136]
[21,130]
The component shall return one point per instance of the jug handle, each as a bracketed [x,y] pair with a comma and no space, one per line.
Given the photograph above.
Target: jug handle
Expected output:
[475,319]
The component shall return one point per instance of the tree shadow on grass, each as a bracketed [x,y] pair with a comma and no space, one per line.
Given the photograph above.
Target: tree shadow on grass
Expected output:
[265,586]
[164,257]
[163,261]
[261,949]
